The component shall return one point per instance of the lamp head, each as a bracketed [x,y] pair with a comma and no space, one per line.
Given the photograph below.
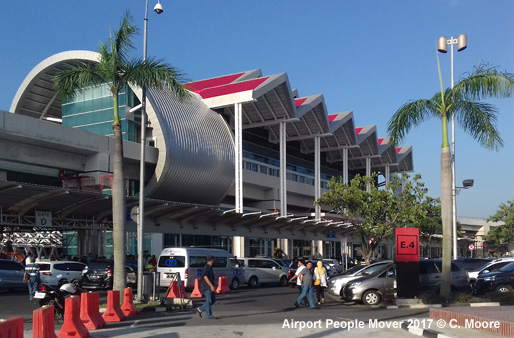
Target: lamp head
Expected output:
[442,44]
[158,8]
[468,183]
[462,42]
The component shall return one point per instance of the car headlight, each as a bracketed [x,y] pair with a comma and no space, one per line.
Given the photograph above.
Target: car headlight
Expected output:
[489,279]
[354,285]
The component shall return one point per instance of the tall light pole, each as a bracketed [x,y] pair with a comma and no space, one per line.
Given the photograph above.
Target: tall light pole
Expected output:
[442,44]
[140,267]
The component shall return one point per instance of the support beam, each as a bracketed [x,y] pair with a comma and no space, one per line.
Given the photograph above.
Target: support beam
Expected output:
[238,142]
[317,176]
[368,172]
[345,165]
[283,168]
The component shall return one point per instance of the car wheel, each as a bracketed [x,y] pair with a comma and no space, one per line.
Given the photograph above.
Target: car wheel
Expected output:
[503,288]
[371,297]
[283,281]
[252,282]
[235,284]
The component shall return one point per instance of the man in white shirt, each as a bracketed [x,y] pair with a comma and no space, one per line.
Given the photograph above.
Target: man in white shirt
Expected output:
[301,266]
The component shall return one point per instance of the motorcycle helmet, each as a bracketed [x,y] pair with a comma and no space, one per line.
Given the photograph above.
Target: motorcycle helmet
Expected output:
[69,288]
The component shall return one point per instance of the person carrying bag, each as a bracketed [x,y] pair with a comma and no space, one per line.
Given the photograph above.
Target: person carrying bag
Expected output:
[320,282]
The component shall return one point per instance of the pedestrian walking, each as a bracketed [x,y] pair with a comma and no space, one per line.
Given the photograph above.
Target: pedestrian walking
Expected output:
[320,282]
[31,276]
[301,266]
[307,287]
[209,289]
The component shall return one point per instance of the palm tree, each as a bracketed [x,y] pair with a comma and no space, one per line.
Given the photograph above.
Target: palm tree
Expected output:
[478,119]
[116,70]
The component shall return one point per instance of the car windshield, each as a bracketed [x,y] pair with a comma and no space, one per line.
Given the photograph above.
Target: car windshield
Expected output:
[508,268]
[370,270]
[353,270]
[482,267]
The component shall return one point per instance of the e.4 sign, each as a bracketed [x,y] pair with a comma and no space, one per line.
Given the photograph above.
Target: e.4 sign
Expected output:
[407,244]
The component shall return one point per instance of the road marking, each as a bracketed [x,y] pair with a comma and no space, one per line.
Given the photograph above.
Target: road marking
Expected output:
[134,323]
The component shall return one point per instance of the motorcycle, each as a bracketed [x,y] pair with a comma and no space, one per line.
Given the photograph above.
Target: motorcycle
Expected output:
[55,296]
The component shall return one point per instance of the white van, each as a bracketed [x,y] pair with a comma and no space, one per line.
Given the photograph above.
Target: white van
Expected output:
[189,262]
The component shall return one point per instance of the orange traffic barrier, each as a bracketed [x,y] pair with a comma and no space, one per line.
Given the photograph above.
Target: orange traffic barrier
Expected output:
[90,311]
[128,307]
[197,293]
[113,312]
[73,326]
[12,327]
[43,322]
[176,291]
[223,285]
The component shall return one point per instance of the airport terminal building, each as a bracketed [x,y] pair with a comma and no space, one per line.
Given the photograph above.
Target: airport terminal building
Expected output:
[236,166]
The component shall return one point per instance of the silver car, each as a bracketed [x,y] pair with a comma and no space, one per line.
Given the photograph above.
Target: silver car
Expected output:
[11,274]
[264,271]
[65,269]
[336,284]
[371,289]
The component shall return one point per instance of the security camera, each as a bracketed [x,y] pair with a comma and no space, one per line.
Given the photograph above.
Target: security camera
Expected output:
[158,8]
[468,183]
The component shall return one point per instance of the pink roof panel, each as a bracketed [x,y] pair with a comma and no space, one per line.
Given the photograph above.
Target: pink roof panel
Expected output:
[358,130]
[232,88]
[216,82]
[299,102]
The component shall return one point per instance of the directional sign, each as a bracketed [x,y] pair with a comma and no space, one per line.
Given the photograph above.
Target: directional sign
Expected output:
[407,244]
[43,218]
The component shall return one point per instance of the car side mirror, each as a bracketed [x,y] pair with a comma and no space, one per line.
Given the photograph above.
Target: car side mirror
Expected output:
[274,267]
[484,271]
[390,274]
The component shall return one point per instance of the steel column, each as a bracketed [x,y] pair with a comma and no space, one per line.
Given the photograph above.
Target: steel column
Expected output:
[283,170]
[317,176]
[238,143]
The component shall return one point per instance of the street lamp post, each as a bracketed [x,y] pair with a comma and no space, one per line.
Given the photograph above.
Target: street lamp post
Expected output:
[140,268]
[461,43]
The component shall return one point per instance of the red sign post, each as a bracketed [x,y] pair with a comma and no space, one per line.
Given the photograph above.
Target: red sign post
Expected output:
[407,262]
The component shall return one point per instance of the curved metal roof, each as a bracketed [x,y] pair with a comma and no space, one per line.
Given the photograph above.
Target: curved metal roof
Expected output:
[180,128]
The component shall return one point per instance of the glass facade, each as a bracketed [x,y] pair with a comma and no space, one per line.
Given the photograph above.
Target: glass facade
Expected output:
[92,110]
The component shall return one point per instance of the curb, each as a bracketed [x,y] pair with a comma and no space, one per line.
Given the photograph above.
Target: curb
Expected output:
[424,332]
[431,306]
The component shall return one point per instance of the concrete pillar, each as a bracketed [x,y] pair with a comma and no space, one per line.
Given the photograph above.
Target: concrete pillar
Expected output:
[320,249]
[157,243]
[239,247]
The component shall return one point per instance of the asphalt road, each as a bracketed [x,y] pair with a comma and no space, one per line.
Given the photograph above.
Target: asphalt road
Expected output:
[264,305]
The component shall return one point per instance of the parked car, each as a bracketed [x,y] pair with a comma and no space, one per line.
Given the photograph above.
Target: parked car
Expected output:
[470,264]
[491,266]
[282,262]
[11,274]
[496,281]
[189,263]
[66,269]
[264,271]
[336,284]
[371,289]
[100,274]
[430,272]
[334,264]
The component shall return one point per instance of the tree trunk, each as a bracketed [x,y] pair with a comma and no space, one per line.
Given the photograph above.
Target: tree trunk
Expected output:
[118,208]
[446,216]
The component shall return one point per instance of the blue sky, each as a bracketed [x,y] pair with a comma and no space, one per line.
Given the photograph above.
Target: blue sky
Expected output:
[368,56]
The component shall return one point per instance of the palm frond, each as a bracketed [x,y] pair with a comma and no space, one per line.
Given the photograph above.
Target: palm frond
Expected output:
[123,45]
[70,81]
[410,115]
[478,119]
[157,74]
[485,82]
